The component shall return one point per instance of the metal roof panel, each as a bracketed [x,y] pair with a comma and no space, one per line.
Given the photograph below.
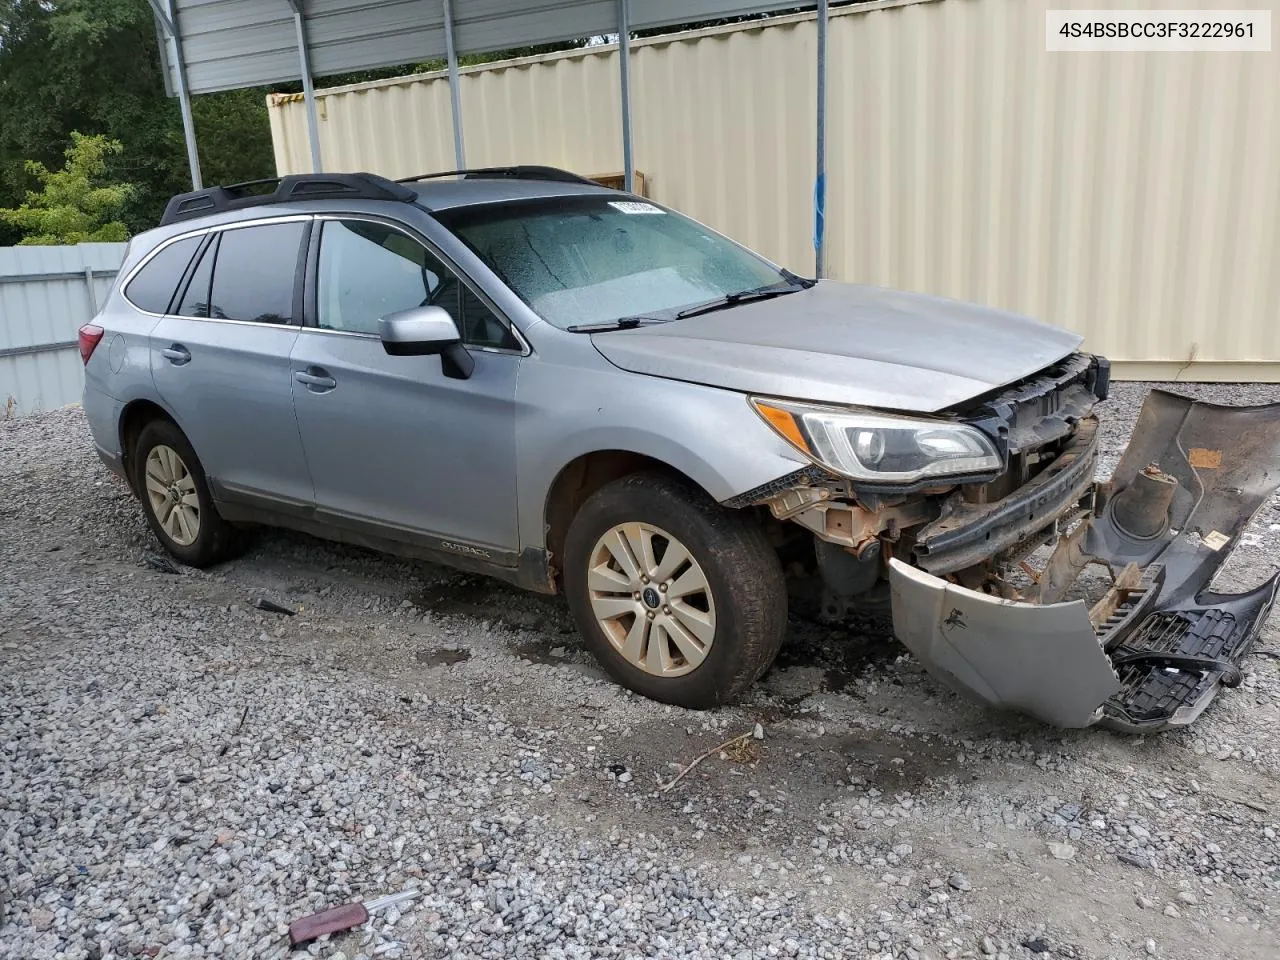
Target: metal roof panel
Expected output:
[229,44]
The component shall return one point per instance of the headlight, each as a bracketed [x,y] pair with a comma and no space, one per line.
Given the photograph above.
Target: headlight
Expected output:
[878,447]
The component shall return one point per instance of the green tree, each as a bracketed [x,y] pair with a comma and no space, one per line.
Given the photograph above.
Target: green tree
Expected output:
[94,66]
[73,205]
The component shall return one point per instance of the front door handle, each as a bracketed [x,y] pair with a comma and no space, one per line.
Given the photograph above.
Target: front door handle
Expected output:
[317,379]
[176,354]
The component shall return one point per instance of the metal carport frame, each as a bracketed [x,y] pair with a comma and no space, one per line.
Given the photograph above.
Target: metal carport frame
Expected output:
[164,17]
[227,44]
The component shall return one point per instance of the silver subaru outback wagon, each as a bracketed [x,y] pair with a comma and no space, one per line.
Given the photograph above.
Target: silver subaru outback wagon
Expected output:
[519,372]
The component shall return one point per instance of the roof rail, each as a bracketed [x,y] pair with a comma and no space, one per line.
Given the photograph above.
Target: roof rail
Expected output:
[306,186]
[522,172]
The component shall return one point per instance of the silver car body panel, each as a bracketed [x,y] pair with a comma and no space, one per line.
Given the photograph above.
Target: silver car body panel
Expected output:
[395,442]
[241,371]
[847,344]
[1042,661]
[570,402]
[451,194]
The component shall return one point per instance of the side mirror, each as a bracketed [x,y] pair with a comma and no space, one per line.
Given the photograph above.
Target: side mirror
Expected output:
[417,332]
[425,331]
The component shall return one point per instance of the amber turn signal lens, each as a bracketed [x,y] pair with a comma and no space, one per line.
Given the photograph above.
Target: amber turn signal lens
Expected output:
[784,422]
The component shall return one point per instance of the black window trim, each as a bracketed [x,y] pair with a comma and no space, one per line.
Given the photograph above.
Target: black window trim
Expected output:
[208,240]
[303,251]
[312,291]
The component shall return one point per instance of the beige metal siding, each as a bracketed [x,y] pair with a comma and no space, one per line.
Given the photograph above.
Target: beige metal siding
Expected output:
[1132,197]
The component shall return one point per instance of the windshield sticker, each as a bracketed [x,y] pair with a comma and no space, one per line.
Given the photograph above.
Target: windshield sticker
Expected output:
[633,206]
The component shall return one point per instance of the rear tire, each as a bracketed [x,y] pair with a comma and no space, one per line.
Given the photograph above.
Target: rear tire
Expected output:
[679,599]
[175,497]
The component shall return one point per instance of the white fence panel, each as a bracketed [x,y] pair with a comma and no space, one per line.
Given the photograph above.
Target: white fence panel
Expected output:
[46,293]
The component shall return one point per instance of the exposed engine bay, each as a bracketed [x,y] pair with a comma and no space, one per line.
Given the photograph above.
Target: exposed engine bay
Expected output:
[1044,591]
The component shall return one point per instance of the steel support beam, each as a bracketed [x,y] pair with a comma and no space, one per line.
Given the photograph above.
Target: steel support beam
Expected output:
[308,90]
[820,177]
[455,103]
[163,9]
[624,74]
[162,14]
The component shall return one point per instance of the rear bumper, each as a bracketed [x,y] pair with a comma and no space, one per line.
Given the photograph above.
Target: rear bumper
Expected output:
[1160,646]
[103,413]
[113,461]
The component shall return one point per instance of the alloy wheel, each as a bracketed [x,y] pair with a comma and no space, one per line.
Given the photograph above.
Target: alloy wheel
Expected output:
[651,599]
[171,492]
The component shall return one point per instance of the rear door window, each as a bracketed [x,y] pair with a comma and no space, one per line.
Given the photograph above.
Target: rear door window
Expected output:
[153,286]
[255,271]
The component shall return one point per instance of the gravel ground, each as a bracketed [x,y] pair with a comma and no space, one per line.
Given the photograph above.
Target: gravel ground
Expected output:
[182,773]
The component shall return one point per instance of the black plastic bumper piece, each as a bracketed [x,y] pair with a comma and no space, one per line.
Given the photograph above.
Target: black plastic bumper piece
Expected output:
[1189,641]
[1175,660]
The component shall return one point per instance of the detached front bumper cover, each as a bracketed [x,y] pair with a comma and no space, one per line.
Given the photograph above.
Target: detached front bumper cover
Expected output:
[1159,647]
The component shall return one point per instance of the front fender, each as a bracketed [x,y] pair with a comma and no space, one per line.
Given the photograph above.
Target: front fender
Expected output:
[710,435]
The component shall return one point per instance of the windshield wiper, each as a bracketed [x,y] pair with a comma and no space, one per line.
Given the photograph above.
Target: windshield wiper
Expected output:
[622,323]
[803,282]
[742,296]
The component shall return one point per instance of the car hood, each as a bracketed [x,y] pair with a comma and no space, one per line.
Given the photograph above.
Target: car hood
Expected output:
[846,343]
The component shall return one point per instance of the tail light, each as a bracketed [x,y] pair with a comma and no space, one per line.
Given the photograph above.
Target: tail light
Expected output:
[90,335]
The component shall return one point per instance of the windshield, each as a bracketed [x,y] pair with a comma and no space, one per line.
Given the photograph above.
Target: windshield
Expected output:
[585,260]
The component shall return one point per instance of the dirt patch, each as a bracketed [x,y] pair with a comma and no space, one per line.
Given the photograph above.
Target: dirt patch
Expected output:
[442,658]
[849,651]
[495,601]
[542,650]
[892,762]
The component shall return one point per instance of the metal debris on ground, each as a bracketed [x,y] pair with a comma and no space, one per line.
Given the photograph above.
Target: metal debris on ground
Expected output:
[270,606]
[222,751]
[157,561]
[344,917]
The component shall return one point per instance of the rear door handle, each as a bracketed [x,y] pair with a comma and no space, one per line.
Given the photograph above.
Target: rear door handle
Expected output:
[176,354]
[317,379]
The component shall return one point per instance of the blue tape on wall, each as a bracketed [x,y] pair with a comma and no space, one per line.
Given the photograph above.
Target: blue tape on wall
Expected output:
[819,210]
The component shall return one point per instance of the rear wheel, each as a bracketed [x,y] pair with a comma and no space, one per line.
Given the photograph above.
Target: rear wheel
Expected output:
[679,599]
[175,497]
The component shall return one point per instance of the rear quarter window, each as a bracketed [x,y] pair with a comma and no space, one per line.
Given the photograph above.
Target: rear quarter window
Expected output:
[153,286]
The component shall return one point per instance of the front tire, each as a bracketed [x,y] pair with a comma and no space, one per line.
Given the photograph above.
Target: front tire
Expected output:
[679,599]
[175,497]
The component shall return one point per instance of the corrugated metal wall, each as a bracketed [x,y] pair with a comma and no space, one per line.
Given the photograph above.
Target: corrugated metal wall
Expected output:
[45,296]
[1132,197]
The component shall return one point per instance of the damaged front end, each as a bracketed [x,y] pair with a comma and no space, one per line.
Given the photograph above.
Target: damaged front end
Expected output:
[1034,587]
[1156,648]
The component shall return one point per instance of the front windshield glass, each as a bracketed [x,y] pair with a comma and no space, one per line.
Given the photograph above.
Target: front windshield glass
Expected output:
[587,260]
